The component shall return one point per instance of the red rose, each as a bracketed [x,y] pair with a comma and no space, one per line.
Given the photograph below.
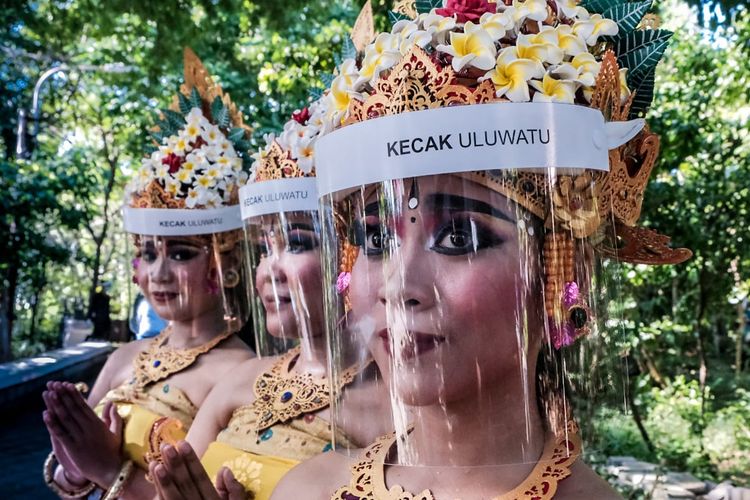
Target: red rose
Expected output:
[301,117]
[173,161]
[466,10]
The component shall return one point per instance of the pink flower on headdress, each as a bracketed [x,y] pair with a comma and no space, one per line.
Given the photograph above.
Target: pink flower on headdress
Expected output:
[342,283]
[466,10]
[301,116]
[173,162]
[563,336]
[570,294]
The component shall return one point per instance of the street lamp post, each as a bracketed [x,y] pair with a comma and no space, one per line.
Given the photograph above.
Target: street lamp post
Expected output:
[26,137]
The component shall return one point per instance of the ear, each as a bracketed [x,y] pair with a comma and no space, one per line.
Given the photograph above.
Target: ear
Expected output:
[618,133]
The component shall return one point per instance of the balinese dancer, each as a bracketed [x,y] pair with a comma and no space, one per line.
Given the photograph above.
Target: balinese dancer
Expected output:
[273,412]
[483,158]
[183,212]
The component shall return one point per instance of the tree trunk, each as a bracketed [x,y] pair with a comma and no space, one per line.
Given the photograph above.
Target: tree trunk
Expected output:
[638,420]
[741,324]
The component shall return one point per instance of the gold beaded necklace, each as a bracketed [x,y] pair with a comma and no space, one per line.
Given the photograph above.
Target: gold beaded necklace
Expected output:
[281,394]
[158,361]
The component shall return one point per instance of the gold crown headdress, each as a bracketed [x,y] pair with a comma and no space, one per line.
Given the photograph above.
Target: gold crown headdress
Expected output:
[200,152]
[291,154]
[478,52]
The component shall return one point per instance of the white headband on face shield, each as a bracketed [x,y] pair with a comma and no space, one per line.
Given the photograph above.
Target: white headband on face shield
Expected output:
[279,195]
[493,136]
[181,222]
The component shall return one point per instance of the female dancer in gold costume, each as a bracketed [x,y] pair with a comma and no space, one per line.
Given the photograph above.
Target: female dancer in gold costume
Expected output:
[184,215]
[481,160]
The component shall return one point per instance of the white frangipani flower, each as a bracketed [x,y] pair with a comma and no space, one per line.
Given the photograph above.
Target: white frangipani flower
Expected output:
[474,47]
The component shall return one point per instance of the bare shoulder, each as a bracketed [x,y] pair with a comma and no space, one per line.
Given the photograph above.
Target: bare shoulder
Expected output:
[585,483]
[315,479]
[232,351]
[235,387]
[116,369]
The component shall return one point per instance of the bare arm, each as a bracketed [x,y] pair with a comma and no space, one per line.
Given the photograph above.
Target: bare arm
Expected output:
[113,367]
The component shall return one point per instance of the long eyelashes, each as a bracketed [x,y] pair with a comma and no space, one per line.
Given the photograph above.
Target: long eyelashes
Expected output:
[175,254]
[456,234]
[298,241]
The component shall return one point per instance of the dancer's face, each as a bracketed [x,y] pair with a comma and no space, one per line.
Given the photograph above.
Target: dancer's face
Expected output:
[288,277]
[443,291]
[177,278]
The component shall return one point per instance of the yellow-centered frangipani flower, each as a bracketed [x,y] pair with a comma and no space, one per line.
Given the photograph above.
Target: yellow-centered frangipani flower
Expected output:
[556,86]
[624,89]
[204,181]
[192,131]
[525,49]
[570,43]
[535,10]
[183,176]
[342,91]
[571,9]
[410,35]
[548,37]
[497,25]
[512,74]
[474,47]
[594,27]
[380,55]
[437,26]
[587,67]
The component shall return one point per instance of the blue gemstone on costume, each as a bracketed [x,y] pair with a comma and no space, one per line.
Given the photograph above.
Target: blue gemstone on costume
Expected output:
[165,388]
[266,435]
[286,397]
[157,363]
[327,447]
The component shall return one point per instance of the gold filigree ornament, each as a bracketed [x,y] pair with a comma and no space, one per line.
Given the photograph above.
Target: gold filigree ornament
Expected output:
[165,430]
[159,361]
[281,394]
[558,456]
[582,203]
[276,163]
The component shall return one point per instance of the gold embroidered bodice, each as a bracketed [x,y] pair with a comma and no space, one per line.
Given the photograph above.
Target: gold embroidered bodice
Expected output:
[368,475]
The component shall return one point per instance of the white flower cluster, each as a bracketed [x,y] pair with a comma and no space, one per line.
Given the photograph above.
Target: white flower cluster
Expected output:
[526,59]
[199,164]
[299,136]
[555,61]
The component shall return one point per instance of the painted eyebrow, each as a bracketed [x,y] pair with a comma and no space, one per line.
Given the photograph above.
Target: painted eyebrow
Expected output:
[302,226]
[456,203]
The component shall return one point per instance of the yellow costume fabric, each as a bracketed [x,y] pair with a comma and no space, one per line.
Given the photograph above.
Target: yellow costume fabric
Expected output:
[143,413]
[259,462]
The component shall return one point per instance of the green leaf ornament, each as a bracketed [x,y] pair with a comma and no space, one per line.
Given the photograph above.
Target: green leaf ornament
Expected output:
[425,6]
[395,17]
[236,134]
[185,104]
[220,112]
[644,93]
[632,42]
[195,99]
[599,6]
[174,118]
[627,15]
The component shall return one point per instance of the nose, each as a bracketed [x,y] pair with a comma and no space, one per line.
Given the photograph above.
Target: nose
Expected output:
[159,269]
[407,276]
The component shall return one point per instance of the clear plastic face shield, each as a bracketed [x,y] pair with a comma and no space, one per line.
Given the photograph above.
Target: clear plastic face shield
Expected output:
[446,294]
[190,277]
[284,264]
[478,295]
